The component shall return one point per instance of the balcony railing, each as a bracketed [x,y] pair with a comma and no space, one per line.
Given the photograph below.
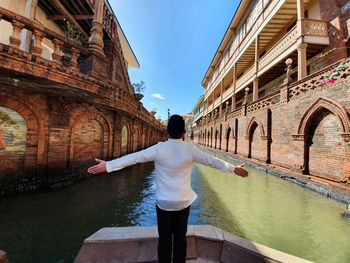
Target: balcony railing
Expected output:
[311,27]
[238,47]
[320,80]
[264,103]
[66,60]
[247,77]
[279,49]
[285,46]
[66,50]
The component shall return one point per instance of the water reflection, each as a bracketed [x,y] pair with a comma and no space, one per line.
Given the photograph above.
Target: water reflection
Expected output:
[51,226]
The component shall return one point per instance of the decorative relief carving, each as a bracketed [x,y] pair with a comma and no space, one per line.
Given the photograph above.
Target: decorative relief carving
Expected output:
[314,28]
[317,82]
[263,104]
[298,137]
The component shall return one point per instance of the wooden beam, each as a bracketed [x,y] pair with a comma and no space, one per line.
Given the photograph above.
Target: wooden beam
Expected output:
[71,19]
[76,17]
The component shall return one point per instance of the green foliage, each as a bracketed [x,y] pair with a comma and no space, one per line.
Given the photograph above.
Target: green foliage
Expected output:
[73,32]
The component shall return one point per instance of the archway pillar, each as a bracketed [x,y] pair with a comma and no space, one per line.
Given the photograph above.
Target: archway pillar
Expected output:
[117,135]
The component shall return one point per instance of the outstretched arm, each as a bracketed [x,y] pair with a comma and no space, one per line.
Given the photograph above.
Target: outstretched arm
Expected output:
[98,168]
[143,156]
[206,159]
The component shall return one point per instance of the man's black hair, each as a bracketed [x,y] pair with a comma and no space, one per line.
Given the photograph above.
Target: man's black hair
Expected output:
[176,127]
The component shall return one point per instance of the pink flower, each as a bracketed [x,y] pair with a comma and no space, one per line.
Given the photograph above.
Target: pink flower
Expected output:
[327,81]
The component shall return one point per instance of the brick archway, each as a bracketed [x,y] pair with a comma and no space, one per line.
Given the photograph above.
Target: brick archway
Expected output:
[227,136]
[34,151]
[90,139]
[252,126]
[332,106]
[324,126]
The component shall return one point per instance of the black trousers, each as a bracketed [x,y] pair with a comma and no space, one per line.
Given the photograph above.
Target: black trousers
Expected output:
[172,229]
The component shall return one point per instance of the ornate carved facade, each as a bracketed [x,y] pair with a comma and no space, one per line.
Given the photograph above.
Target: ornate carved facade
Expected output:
[65,102]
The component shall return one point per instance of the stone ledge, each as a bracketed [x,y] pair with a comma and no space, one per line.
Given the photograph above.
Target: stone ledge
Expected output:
[206,243]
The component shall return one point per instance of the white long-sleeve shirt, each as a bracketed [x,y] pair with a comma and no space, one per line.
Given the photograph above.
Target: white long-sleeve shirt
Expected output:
[173,161]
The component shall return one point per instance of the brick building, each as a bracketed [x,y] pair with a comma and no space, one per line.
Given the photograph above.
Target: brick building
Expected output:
[278,88]
[65,93]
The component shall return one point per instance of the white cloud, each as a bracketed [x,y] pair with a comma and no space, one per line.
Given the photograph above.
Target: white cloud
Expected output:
[158,96]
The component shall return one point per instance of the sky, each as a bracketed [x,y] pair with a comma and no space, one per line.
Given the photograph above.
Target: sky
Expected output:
[174,42]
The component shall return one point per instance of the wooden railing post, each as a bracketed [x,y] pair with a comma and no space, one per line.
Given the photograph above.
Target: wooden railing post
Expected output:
[15,38]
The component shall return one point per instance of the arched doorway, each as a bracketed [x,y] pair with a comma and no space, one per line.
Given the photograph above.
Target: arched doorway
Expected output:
[228,134]
[325,127]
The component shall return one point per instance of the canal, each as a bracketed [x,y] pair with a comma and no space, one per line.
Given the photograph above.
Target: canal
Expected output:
[51,226]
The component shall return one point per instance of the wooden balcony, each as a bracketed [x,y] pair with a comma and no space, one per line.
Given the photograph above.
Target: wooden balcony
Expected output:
[237,50]
[306,31]
[313,32]
[268,25]
[247,77]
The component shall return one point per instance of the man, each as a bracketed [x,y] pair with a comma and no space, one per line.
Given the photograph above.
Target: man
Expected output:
[174,195]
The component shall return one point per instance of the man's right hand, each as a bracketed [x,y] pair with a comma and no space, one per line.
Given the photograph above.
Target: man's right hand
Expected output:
[240,171]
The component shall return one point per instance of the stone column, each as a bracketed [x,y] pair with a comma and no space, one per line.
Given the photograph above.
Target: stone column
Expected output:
[221,90]
[233,102]
[213,99]
[256,80]
[302,70]
[96,38]
[234,78]
[255,89]
[257,48]
[302,64]
[300,9]
[96,64]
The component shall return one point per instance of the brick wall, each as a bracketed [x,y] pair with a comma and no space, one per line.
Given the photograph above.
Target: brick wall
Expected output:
[327,150]
[63,138]
[337,18]
[324,112]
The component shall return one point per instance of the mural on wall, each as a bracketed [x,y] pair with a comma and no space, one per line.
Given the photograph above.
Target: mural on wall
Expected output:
[124,136]
[13,133]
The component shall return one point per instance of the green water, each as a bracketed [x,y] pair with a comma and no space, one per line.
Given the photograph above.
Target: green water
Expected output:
[51,226]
